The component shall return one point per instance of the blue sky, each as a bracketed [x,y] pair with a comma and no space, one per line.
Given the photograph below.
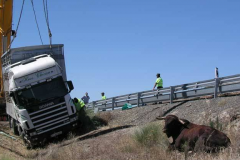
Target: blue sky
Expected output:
[118,46]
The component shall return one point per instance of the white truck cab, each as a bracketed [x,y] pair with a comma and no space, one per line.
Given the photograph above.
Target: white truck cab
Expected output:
[37,97]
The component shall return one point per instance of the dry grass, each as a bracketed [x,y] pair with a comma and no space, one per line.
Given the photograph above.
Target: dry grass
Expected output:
[120,144]
[126,147]
[222,102]
[107,116]
[6,158]
[159,152]
[153,152]
[102,119]
[150,135]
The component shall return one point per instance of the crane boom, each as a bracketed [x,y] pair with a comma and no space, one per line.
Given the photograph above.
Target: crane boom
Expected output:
[6,7]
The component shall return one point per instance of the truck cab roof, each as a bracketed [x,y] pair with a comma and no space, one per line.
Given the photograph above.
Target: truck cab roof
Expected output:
[34,64]
[32,71]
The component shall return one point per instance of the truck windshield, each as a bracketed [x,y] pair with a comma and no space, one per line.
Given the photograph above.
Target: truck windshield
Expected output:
[41,92]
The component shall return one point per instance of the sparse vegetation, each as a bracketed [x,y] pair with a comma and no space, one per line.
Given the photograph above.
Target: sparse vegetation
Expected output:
[222,103]
[107,116]
[6,158]
[216,124]
[149,135]
[121,144]
[90,113]
[102,119]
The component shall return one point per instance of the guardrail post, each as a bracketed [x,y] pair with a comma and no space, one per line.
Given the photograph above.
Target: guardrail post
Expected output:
[127,99]
[105,106]
[216,87]
[184,87]
[171,94]
[94,104]
[138,99]
[113,103]
[95,109]
[196,86]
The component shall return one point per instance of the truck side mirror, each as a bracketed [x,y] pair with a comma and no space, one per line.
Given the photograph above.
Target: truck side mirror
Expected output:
[70,85]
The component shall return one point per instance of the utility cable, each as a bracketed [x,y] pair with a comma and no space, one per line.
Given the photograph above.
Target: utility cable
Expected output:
[45,6]
[36,21]
[19,20]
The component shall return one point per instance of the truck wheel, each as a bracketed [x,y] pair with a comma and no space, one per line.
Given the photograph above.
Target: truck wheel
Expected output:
[10,120]
[14,127]
[26,143]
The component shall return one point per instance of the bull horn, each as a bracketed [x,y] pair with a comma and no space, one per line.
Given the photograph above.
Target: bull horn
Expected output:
[161,118]
[181,121]
[170,140]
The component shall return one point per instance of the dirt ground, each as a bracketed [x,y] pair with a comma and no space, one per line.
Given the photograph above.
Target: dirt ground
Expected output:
[197,111]
[110,142]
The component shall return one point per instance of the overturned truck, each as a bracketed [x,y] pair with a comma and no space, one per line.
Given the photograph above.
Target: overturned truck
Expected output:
[37,93]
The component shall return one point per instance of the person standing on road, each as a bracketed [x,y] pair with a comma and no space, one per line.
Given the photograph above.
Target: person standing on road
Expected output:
[159,82]
[86,98]
[103,96]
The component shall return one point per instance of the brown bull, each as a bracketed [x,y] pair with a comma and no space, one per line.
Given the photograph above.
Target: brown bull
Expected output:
[184,133]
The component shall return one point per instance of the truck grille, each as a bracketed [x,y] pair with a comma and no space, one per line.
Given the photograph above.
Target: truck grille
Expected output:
[50,118]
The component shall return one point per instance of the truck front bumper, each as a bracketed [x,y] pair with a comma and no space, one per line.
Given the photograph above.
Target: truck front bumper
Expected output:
[35,138]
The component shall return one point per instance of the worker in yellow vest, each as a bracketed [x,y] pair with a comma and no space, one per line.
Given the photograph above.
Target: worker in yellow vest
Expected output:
[103,96]
[159,82]
[84,121]
[79,104]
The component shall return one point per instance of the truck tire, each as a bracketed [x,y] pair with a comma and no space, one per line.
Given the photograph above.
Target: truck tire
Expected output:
[26,143]
[9,120]
[14,127]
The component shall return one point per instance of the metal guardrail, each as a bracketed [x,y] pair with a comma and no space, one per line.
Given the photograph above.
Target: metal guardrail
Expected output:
[196,89]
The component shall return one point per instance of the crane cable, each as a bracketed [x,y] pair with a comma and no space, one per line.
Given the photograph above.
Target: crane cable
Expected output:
[45,6]
[19,20]
[36,21]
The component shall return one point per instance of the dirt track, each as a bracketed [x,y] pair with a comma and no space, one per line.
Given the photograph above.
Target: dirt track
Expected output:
[198,111]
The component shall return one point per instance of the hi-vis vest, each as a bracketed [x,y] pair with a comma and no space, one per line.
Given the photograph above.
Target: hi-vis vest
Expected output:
[104,97]
[79,104]
[159,82]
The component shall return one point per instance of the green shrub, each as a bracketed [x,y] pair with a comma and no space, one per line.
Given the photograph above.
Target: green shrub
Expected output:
[102,119]
[149,135]
[216,124]
[90,112]
[99,122]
